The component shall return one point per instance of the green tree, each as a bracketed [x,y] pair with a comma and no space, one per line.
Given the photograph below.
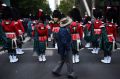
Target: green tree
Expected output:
[66,6]
[31,6]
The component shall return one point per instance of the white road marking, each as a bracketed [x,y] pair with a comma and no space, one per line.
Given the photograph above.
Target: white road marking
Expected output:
[56,48]
[3,52]
[46,48]
[49,51]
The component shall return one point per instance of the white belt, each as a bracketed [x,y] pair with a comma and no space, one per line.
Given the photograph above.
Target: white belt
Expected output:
[9,33]
[97,29]
[110,35]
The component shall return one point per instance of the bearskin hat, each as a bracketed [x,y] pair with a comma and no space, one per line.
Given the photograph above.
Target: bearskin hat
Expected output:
[111,13]
[88,18]
[6,13]
[47,17]
[75,14]
[56,14]
[15,13]
[97,13]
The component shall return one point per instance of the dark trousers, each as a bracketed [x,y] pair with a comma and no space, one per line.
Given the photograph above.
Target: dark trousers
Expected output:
[12,52]
[55,38]
[66,57]
[74,48]
[95,44]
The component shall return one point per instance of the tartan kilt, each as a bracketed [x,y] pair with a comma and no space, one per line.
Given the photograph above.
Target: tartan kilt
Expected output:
[39,47]
[95,40]
[55,36]
[1,42]
[9,44]
[87,38]
[107,46]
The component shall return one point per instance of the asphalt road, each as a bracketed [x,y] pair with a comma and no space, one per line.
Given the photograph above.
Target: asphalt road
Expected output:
[28,66]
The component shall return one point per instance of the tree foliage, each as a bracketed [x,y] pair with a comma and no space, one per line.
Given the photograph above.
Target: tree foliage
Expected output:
[31,6]
[66,6]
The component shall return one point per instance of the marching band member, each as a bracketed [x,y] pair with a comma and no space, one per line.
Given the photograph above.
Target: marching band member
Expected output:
[20,29]
[108,41]
[77,34]
[87,32]
[55,25]
[96,30]
[40,39]
[76,29]
[11,33]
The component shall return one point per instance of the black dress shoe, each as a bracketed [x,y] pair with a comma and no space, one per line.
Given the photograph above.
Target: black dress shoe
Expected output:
[56,74]
[71,76]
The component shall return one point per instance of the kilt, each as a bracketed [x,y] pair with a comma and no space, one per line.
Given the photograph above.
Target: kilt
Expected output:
[95,40]
[39,47]
[88,36]
[11,44]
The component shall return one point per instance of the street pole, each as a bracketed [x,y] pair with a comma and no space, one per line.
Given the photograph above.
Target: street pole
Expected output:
[87,7]
[93,6]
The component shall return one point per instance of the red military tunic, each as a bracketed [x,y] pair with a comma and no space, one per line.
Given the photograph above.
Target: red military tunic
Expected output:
[76,31]
[42,32]
[88,26]
[9,28]
[55,26]
[111,32]
[20,27]
[97,27]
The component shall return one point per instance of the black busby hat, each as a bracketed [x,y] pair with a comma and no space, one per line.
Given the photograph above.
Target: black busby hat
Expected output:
[97,13]
[15,13]
[111,13]
[75,14]
[56,14]
[6,13]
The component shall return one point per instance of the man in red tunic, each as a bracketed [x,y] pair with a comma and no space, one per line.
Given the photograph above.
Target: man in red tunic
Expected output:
[109,34]
[87,31]
[20,29]
[55,26]
[96,29]
[96,36]
[77,34]
[20,36]
[40,39]
[11,32]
